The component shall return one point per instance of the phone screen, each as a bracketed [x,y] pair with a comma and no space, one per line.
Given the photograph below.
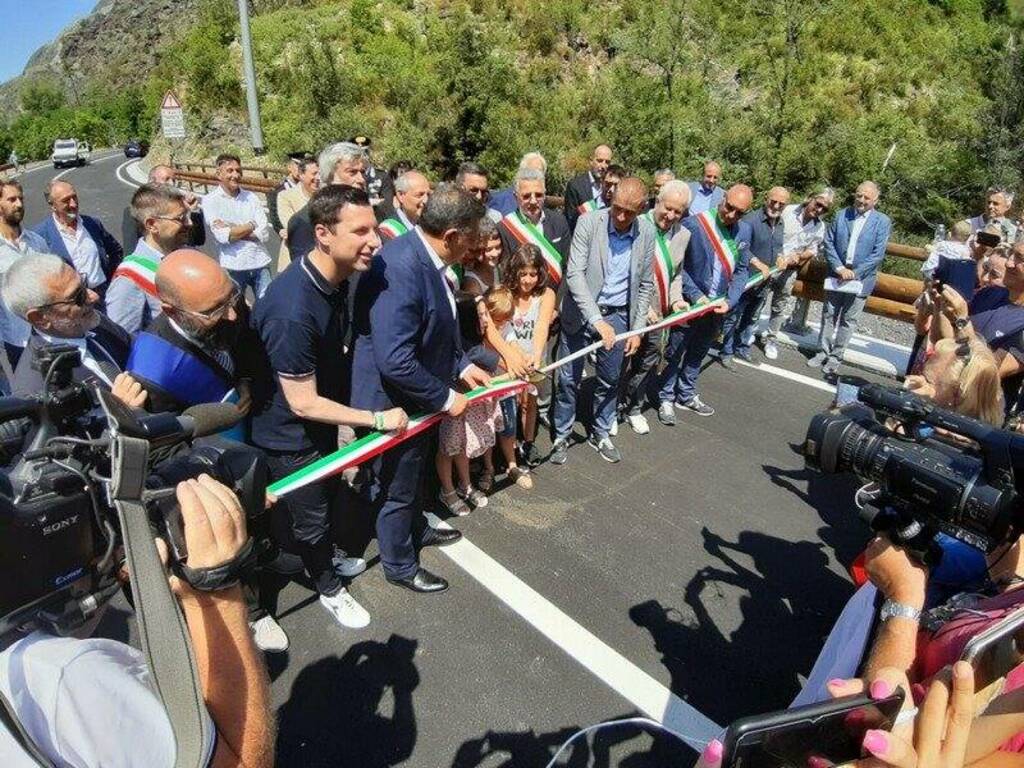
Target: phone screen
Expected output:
[795,740]
[846,393]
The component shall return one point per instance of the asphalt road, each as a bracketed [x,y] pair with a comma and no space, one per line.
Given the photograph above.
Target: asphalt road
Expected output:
[709,564]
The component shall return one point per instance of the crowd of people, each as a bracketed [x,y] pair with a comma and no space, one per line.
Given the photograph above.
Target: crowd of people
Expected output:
[394,297]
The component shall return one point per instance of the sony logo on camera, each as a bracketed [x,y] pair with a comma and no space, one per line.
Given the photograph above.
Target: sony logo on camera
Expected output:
[60,525]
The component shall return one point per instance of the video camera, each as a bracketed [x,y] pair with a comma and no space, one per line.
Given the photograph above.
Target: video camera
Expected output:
[73,454]
[938,471]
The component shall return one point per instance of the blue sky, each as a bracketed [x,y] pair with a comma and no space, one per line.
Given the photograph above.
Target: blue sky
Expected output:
[27,24]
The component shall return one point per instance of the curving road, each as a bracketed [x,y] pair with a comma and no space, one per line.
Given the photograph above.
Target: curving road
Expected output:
[700,576]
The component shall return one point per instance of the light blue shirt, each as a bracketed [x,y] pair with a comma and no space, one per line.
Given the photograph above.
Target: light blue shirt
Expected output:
[615,291]
[702,199]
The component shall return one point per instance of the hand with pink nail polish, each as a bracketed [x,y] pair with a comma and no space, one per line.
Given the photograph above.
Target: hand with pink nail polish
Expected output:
[711,757]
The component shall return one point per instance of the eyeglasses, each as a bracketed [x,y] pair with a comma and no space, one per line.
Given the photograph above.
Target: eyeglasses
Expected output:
[185,218]
[214,315]
[78,299]
[532,195]
[480,194]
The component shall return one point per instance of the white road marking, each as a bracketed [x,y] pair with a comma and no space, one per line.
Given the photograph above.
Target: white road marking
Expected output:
[786,374]
[123,178]
[608,665]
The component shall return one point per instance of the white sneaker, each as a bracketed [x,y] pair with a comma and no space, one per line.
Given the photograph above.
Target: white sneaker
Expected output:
[345,610]
[614,430]
[638,423]
[268,635]
[770,350]
[347,566]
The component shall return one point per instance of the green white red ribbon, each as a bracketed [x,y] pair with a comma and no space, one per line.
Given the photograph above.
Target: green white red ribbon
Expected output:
[376,443]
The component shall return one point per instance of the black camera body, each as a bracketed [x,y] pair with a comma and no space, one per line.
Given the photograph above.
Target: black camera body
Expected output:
[939,472]
[59,531]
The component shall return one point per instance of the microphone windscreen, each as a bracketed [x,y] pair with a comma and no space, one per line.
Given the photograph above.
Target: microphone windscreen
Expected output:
[211,418]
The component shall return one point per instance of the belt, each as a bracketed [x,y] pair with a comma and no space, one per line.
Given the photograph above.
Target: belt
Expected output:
[606,310]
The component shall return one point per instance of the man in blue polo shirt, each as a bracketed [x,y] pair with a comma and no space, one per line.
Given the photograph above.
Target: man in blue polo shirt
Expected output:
[302,322]
[716,263]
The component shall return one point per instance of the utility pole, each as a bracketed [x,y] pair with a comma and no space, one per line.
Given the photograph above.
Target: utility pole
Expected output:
[255,126]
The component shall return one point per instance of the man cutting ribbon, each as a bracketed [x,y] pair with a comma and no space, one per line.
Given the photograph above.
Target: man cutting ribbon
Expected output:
[716,262]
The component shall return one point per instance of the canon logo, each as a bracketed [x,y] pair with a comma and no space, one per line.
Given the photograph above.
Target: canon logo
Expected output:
[60,525]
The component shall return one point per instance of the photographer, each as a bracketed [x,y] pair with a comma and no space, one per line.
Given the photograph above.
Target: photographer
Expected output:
[48,293]
[70,694]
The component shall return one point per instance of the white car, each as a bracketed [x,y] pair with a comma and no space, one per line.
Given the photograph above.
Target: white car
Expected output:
[68,153]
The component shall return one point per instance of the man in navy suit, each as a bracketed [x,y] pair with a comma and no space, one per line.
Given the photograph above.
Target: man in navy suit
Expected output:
[854,247]
[586,188]
[82,241]
[408,353]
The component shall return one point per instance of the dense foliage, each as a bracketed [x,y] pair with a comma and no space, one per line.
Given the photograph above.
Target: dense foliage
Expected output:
[797,92]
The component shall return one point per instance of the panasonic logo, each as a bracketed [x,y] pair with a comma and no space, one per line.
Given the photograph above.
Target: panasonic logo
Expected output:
[49,530]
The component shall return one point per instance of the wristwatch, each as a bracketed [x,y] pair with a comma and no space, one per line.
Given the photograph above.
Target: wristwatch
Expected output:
[893,610]
[960,323]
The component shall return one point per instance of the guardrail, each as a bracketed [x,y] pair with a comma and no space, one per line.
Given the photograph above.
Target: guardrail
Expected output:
[893,296]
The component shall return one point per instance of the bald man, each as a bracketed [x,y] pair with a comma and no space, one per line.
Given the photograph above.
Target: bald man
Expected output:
[610,280]
[854,248]
[706,193]
[82,241]
[767,236]
[586,188]
[411,192]
[132,231]
[716,265]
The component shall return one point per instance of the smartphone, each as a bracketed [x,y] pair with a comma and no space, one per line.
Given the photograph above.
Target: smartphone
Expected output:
[846,392]
[991,239]
[829,731]
[959,274]
[993,653]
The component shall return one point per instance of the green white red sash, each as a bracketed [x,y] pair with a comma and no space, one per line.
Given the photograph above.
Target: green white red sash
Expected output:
[139,270]
[525,231]
[392,228]
[721,241]
[590,205]
[663,269]
[453,273]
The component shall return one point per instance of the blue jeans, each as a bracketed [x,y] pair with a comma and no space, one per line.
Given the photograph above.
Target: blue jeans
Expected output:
[606,393]
[737,330]
[257,279]
[687,347]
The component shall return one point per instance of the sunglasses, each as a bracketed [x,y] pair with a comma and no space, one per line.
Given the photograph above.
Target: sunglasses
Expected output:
[214,315]
[78,299]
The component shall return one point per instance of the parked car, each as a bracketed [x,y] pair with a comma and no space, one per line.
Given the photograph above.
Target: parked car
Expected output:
[68,153]
[136,148]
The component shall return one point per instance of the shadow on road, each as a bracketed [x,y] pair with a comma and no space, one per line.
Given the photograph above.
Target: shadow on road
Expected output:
[356,710]
[783,623]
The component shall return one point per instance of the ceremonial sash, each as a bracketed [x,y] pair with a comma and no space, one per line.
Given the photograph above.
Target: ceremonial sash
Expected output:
[392,228]
[663,270]
[175,370]
[721,241]
[590,205]
[453,273]
[525,231]
[139,270]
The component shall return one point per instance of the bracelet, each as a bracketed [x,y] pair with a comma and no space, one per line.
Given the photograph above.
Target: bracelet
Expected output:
[378,421]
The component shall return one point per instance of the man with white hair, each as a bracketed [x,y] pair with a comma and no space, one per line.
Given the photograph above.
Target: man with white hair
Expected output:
[803,226]
[411,192]
[669,209]
[132,231]
[854,247]
[55,301]
[998,202]
[341,163]
[504,200]
[531,222]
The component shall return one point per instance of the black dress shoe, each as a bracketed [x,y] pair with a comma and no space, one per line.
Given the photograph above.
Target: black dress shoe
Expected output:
[436,537]
[421,581]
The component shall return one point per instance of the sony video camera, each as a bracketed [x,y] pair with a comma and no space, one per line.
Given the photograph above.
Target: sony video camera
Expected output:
[69,455]
[964,480]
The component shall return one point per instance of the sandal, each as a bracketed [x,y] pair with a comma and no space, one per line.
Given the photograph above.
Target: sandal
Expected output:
[521,477]
[454,503]
[485,482]
[473,496]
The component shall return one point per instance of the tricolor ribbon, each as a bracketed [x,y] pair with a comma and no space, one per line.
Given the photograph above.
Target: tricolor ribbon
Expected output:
[375,443]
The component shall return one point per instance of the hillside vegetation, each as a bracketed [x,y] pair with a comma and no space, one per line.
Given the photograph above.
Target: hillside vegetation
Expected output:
[795,92]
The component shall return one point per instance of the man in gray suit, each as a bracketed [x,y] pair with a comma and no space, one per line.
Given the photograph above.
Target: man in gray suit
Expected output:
[610,280]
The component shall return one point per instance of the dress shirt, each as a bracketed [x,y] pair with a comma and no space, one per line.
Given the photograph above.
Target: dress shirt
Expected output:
[83,252]
[766,236]
[222,356]
[89,354]
[702,199]
[596,187]
[236,211]
[615,291]
[855,229]
[13,329]
[441,269]
[404,219]
[797,235]
[127,304]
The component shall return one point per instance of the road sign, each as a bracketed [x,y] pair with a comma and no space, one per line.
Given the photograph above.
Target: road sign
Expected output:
[172,117]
